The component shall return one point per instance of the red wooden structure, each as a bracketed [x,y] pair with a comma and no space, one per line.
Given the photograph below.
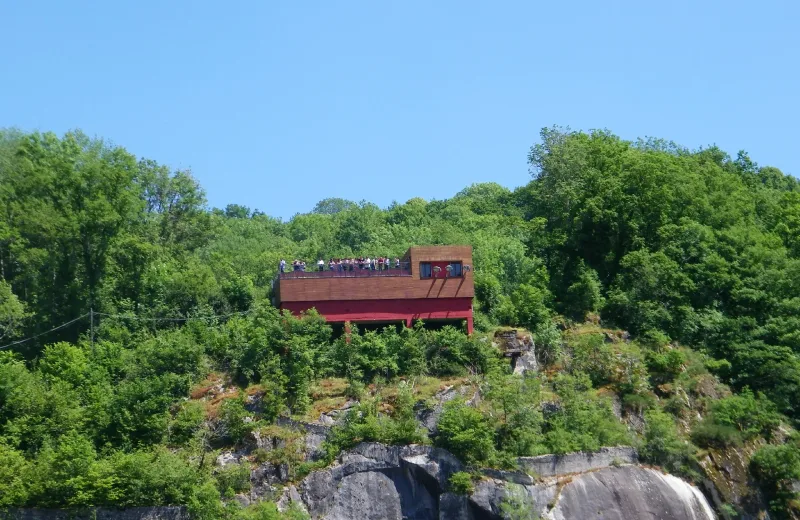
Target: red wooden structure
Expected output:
[433,283]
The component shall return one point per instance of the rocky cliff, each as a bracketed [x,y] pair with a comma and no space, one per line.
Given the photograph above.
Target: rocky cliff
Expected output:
[374,481]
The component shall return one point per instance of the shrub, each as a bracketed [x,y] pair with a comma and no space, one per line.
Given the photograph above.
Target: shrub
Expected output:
[751,414]
[583,422]
[710,434]
[638,403]
[516,504]
[775,468]
[233,479]
[269,511]
[663,447]
[451,352]
[14,477]
[665,365]
[188,420]
[233,417]
[465,432]
[460,483]
[737,418]
[365,423]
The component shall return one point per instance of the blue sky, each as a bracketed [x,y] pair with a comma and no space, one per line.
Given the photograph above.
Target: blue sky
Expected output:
[276,105]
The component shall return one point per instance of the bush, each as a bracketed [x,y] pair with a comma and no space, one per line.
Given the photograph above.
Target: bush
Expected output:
[188,420]
[663,447]
[515,402]
[14,478]
[460,483]
[450,352]
[364,422]
[465,432]
[707,433]
[751,414]
[233,417]
[737,418]
[775,468]
[638,403]
[665,365]
[583,422]
[517,504]
[233,479]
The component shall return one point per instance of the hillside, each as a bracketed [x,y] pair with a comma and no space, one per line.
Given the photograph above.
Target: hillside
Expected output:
[143,365]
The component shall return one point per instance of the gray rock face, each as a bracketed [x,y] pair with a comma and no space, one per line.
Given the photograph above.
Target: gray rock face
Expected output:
[490,494]
[526,363]
[227,458]
[315,435]
[429,417]
[378,481]
[374,481]
[552,465]
[630,492]
[266,478]
[378,495]
[453,506]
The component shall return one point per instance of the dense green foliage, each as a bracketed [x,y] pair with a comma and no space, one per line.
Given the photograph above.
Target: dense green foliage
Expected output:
[673,245]
[777,468]
[461,483]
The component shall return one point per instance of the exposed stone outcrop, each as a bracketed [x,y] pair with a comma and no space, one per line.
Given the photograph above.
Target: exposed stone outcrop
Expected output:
[227,458]
[551,465]
[266,479]
[727,480]
[378,481]
[629,492]
[374,481]
[314,435]
[526,363]
[428,416]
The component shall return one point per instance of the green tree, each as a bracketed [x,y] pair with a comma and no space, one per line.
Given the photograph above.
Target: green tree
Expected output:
[465,432]
[12,312]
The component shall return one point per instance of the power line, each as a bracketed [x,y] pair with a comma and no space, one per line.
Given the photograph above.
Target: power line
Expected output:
[124,316]
[45,332]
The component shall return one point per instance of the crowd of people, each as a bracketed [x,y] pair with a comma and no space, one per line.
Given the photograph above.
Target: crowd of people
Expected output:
[381,263]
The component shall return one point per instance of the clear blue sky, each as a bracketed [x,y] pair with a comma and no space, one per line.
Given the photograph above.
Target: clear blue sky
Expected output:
[276,105]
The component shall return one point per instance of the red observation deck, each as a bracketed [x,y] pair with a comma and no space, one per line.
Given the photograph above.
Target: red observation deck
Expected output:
[433,283]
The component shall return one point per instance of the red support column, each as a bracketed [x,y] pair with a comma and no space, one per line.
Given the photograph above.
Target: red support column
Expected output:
[409,322]
[469,325]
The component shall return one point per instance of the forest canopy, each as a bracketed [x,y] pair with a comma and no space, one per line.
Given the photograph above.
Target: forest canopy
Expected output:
[689,247]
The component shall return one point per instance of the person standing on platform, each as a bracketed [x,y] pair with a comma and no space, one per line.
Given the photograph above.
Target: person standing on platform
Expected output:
[283,265]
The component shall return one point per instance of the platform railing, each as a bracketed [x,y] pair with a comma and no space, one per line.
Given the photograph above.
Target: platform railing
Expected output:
[346,271]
